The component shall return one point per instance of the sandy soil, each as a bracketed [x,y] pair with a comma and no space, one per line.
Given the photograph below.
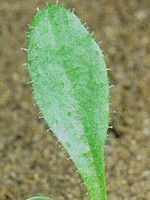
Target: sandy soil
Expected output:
[31,163]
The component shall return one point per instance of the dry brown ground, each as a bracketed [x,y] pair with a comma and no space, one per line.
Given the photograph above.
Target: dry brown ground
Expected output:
[30,160]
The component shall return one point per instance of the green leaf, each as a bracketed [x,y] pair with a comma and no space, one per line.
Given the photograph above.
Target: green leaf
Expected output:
[70,85]
[39,198]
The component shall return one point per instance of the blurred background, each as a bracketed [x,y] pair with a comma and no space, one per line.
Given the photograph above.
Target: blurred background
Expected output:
[31,162]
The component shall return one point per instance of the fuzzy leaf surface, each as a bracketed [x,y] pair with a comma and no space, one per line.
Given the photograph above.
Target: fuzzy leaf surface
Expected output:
[70,85]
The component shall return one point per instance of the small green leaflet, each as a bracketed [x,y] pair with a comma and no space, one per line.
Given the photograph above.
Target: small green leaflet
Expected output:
[71,88]
[39,198]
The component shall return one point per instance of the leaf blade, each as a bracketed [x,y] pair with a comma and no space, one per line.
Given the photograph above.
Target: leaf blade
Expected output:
[39,198]
[71,88]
